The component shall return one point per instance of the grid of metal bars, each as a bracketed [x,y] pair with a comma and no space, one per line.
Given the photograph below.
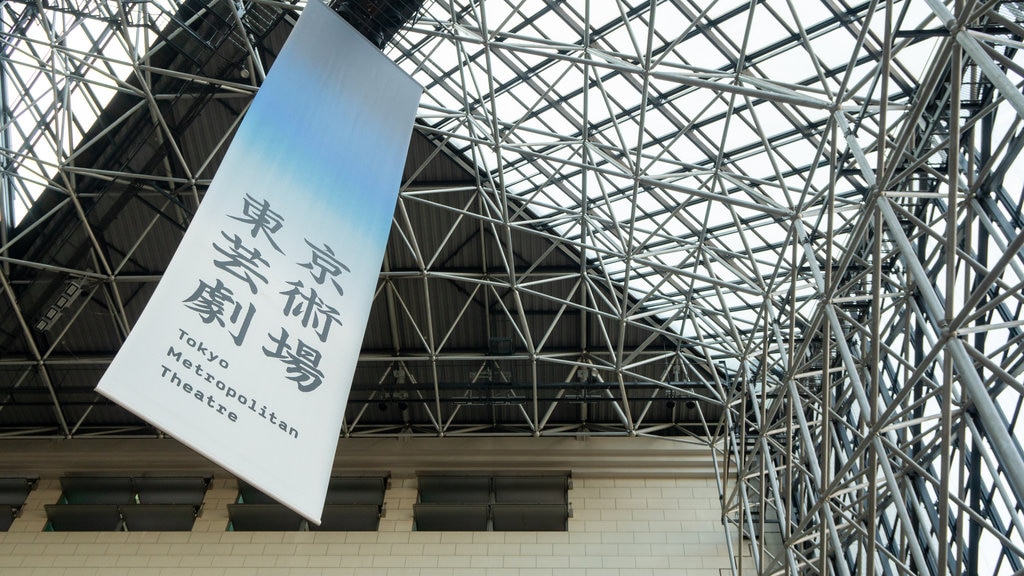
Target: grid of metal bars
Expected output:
[818,204]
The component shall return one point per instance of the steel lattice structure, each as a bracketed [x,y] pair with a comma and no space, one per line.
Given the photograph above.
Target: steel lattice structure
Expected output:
[802,218]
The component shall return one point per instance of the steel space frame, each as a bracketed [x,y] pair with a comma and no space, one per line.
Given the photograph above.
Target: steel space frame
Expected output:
[835,247]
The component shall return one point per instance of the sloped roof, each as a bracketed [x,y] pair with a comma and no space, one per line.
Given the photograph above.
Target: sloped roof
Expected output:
[792,230]
[446,348]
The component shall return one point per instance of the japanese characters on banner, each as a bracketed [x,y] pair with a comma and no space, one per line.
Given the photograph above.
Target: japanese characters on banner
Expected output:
[247,348]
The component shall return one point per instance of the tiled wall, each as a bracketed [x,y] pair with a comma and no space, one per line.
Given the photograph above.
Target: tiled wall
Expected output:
[620,527]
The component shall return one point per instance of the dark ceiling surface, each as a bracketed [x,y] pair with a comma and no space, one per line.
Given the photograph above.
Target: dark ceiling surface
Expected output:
[784,233]
[444,351]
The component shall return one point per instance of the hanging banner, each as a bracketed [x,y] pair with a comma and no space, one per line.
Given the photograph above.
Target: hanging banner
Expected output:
[247,348]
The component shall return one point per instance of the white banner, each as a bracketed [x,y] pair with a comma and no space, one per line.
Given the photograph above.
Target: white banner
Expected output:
[247,348]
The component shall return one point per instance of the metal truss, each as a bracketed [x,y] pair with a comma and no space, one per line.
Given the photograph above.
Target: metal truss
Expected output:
[789,231]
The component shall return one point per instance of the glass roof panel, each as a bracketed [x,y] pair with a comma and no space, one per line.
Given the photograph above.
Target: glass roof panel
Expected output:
[710,166]
[72,63]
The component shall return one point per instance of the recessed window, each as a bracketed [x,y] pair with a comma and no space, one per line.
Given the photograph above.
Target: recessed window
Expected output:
[13,493]
[499,503]
[353,503]
[127,503]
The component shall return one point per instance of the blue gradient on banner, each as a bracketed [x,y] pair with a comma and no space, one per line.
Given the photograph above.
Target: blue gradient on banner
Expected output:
[307,153]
